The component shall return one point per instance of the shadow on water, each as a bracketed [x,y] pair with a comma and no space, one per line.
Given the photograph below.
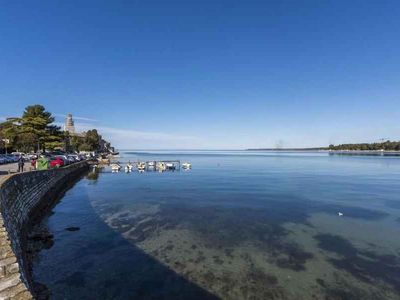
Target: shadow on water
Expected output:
[366,265]
[119,270]
[96,262]
[393,204]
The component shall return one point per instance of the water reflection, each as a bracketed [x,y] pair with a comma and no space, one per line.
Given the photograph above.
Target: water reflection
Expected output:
[93,174]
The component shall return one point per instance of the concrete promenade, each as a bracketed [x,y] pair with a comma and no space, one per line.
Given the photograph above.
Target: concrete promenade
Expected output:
[10,169]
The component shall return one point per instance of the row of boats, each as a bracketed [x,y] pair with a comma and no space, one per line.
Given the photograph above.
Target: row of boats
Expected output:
[154,166]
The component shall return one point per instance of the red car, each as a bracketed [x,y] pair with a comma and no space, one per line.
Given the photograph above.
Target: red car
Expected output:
[56,162]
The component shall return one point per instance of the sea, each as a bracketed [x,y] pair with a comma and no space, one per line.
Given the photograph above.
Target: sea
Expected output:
[237,225]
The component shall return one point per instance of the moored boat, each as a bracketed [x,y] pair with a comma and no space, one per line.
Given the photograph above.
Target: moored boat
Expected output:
[170,166]
[115,167]
[161,167]
[141,166]
[128,168]
[186,165]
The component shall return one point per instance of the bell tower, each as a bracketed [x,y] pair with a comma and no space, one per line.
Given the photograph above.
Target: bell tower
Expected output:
[69,124]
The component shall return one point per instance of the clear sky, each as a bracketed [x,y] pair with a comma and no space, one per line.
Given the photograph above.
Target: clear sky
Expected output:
[207,74]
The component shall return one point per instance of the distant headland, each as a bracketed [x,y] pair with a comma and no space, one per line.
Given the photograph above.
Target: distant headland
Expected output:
[383,146]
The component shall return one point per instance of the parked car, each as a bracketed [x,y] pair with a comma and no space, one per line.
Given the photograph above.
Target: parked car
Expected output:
[2,160]
[77,157]
[17,153]
[56,162]
[11,158]
[56,153]
[33,156]
[71,159]
[65,158]
[5,159]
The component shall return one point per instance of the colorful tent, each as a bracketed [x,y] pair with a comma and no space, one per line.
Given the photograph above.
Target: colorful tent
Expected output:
[42,164]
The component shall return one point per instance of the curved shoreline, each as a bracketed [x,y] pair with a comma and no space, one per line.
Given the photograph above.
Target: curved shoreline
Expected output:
[24,199]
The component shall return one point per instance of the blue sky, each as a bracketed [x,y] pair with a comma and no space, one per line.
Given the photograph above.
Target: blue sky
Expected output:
[207,74]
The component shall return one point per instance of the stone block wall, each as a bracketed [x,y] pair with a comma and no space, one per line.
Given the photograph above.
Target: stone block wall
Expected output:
[25,197]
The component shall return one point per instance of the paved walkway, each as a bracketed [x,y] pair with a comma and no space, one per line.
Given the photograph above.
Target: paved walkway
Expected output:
[9,169]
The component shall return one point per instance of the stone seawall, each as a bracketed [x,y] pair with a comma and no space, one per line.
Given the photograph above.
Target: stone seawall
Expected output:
[24,198]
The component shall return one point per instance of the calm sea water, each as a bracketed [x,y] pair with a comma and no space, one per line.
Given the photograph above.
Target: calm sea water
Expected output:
[239,225]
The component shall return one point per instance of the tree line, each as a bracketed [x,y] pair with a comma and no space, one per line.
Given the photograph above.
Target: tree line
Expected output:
[35,131]
[388,146]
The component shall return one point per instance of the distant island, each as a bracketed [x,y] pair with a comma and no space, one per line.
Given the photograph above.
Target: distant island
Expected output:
[385,146]
[288,149]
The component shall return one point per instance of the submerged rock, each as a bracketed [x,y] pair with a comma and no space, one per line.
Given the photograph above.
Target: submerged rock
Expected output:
[72,228]
[41,291]
[40,240]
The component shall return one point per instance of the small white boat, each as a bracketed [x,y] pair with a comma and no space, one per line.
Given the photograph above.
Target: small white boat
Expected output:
[151,164]
[128,168]
[161,167]
[115,167]
[141,166]
[186,165]
[170,166]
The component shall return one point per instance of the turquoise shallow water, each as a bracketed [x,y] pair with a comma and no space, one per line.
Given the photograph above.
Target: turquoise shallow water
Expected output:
[239,225]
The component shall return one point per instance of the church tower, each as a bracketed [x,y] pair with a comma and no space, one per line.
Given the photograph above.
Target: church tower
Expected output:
[69,124]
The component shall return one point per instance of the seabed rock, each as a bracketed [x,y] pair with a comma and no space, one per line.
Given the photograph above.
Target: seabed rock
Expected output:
[72,228]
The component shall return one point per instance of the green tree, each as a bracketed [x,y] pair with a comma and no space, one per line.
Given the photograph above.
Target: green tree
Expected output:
[75,142]
[33,131]
[85,147]
[37,123]
[9,130]
[388,145]
[92,139]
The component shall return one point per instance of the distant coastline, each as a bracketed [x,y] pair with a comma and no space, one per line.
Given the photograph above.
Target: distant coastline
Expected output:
[381,152]
[320,149]
[323,150]
[289,149]
[384,146]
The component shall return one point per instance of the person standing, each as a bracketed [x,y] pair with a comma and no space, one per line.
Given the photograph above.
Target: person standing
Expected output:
[33,163]
[21,164]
